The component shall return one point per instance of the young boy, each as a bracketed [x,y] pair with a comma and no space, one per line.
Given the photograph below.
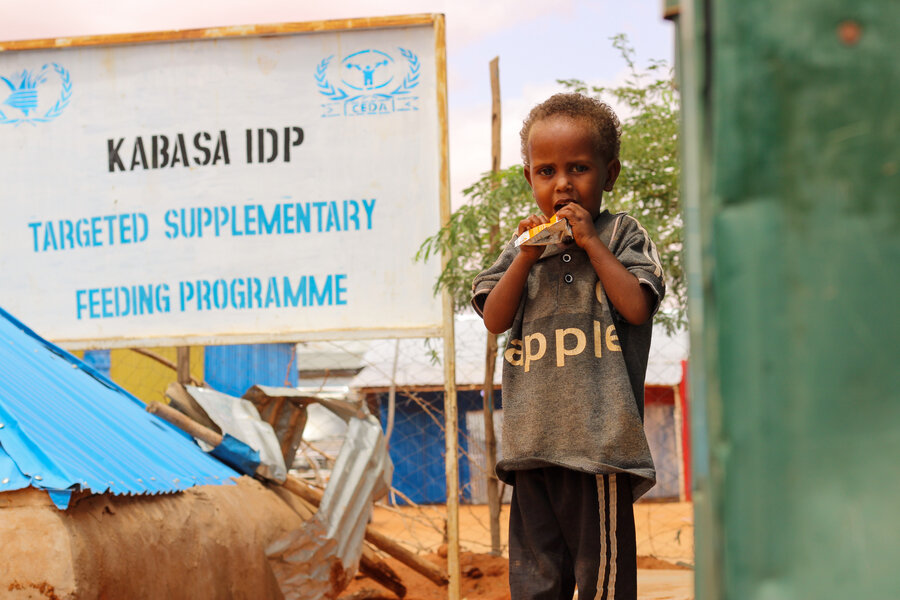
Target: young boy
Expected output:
[579,317]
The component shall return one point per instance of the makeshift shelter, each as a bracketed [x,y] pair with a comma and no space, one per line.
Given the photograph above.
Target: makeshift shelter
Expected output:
[99,498]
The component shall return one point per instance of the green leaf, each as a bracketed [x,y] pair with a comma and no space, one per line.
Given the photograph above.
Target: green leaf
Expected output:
[647,188]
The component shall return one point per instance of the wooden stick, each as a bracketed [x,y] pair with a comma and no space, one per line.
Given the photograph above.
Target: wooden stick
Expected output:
[166,363]
[313,496]
[298,504]
[181,400]
[377,570]
[319,451]
[408,558]
[490,443]
[377,539]
[183,364]
[370,564]
[451,441]
[185,423]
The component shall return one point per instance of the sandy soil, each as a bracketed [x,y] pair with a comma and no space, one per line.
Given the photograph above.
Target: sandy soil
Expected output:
[484,577]
[207,542]
[111,547]
[665,553]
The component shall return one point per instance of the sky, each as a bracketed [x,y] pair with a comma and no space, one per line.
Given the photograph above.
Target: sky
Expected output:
[537,42]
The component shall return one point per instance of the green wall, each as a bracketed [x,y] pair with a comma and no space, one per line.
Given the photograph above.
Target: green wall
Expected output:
[792,197]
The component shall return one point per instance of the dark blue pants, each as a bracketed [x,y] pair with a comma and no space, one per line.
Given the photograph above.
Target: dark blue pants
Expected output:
[568,528]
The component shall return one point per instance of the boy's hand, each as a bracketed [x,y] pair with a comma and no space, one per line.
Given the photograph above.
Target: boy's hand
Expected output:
[633,300]
[502,302]
[532,253]
[580,221]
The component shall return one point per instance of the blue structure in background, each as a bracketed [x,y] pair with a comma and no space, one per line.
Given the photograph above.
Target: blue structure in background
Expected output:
[99,360]
[417,444]
[65,427]
[234,369]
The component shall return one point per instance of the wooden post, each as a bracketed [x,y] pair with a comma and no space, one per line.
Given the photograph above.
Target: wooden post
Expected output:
[185,423]
[451,458]
[183,365]
[166,363]
[679,449]
[490,441]
[181,400]
[495,114]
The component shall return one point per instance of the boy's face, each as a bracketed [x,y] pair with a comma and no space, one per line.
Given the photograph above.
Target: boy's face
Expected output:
[564,167]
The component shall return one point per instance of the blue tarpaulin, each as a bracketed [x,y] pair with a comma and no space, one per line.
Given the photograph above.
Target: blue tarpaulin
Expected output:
[236,454]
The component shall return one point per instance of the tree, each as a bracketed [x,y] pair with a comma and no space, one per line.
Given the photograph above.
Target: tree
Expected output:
[478,230]
[647,188]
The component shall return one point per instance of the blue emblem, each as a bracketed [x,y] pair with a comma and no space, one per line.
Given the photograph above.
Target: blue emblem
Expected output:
[371,82]
[28,100]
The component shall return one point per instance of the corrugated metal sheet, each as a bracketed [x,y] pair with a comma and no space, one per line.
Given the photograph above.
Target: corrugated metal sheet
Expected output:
[417,443]
[99,360]
[65,427]
[234,369]
[240,418]
[319,559]
[416,368]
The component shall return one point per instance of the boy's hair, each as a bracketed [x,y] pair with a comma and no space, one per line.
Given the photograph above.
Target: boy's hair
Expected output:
[598,115]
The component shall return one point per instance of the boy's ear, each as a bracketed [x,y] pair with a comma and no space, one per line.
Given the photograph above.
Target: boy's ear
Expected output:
[612,173]
[527,171]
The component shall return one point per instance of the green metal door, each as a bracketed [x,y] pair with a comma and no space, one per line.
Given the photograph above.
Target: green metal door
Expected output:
[792,193]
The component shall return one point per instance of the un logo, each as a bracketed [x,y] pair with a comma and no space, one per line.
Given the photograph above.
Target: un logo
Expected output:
[359,70]
[369,82]
[35,96]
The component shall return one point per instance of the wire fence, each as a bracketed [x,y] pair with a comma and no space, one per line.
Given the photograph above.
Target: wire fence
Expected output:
[401,381]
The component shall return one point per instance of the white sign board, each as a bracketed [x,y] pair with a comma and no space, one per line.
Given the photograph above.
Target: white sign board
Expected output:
[239,188]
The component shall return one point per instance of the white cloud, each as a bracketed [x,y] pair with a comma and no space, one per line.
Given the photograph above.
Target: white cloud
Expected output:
[470,132]
[469,22]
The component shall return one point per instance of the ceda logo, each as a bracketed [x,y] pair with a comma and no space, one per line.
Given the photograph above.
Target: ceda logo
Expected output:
[369,82]
[34,96]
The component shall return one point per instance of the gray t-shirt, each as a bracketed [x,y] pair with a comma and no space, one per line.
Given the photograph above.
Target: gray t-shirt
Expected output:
[573,369]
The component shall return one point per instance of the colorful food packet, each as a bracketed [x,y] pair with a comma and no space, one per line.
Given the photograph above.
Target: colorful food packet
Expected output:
[554,231]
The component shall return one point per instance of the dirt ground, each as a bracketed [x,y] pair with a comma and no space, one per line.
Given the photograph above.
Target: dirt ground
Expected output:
[206,542]
[664,538]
